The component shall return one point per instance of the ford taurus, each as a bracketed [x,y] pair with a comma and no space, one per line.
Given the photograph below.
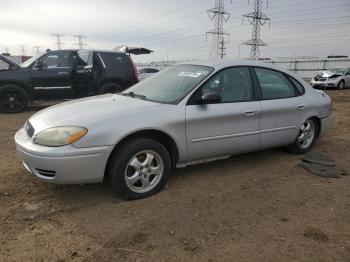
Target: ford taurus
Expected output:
[187,113]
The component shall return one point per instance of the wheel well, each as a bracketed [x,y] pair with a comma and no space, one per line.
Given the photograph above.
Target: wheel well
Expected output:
[157,135]
[318,122]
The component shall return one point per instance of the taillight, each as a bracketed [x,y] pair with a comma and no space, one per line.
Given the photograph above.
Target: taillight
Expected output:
[135,69]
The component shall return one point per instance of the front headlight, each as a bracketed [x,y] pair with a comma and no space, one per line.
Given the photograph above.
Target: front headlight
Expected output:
[60,136]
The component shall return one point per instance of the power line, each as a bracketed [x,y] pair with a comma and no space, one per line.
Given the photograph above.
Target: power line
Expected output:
[149,20]
[257,19]
[58,40]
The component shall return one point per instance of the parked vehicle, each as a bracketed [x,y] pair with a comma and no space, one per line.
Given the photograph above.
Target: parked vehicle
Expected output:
[184,114]
[332,78]
[63,74]
[147,72]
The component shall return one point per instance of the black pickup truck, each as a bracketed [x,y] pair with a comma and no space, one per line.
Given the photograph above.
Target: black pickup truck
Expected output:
[63,74]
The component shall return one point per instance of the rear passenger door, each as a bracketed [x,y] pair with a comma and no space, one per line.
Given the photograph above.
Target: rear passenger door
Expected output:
[282,107]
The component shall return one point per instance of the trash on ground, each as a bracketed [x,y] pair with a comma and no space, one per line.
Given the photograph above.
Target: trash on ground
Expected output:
[320,164]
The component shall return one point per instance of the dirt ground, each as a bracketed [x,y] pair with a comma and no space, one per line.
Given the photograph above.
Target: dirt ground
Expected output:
[254,207]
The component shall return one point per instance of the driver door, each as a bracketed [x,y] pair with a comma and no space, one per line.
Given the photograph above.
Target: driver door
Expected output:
[51,76]
[227,127]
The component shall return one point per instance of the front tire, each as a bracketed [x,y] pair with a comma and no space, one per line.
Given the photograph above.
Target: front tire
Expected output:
[306,138]
[139,168]
[13,99]
[341,85]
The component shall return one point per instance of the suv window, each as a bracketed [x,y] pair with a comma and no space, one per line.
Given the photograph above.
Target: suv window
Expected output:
[56,59]
[274,85]
[233,85]
[84,59]
[115,59]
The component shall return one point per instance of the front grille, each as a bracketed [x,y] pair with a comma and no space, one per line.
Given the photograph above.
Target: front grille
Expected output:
[30,129]
[47,173]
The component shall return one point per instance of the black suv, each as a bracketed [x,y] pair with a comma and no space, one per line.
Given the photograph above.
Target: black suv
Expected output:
[63,74]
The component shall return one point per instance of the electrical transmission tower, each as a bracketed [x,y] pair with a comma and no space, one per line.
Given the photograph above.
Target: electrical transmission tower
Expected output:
[256,19]
[219,15]
[23,49]
[80,41]
[37,49]
[58,40]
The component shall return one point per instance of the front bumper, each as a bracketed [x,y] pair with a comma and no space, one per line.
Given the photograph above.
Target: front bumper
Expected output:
[323,84]
[62,165]
[326,124]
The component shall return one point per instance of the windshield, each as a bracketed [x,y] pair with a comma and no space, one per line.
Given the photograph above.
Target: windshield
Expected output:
[31,60]
[172,84]
[337,70]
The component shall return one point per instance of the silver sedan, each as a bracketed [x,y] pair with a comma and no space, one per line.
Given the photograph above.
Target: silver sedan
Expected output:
[187,113]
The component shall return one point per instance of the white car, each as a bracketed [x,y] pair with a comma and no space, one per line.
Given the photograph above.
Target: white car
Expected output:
[332,78]
[147,72]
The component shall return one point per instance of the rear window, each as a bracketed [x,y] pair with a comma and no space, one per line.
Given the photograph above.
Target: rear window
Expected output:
[115,59]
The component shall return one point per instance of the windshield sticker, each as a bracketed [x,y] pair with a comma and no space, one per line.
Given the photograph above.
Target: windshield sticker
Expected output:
[190,74]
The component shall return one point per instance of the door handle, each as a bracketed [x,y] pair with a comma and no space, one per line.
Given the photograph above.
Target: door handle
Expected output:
[300,107]
[251,113]
[63,73]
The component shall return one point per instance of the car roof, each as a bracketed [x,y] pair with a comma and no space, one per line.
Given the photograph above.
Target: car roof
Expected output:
[100,50]
[218,64]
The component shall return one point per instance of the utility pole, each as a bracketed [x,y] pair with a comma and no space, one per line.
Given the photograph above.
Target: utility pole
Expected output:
[7,50]
[256,19]
[80,41]
[219,15]
[37,49]
[23,49]
[58,40]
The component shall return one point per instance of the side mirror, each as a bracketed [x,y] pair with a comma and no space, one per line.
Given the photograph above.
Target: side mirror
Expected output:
[211,97]
[39,65]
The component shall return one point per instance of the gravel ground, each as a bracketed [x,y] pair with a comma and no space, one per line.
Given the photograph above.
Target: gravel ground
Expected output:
[253,207]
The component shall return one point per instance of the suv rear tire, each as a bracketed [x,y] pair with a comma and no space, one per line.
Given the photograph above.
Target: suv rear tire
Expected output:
[139,168]
[110,88]
[13,99]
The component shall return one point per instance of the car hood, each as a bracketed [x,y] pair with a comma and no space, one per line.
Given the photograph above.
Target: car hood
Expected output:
[85,111]
[327,74]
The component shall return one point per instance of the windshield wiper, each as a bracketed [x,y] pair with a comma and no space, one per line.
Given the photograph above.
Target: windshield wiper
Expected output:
[132,94]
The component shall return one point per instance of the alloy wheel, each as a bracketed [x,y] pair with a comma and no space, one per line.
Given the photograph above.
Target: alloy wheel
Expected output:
[144,171]
[306,134]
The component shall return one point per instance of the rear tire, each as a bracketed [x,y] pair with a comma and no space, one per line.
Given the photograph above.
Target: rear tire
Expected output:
[110,88]
[306,138]
[13,99]
[139,168]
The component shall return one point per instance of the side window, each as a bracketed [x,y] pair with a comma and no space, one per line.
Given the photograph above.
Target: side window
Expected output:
[299,86]
[232,84]
[115,59]
[56,59]
[274,85]
[348,72]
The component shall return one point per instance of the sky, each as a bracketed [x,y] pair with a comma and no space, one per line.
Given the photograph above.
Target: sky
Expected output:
[175,30]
